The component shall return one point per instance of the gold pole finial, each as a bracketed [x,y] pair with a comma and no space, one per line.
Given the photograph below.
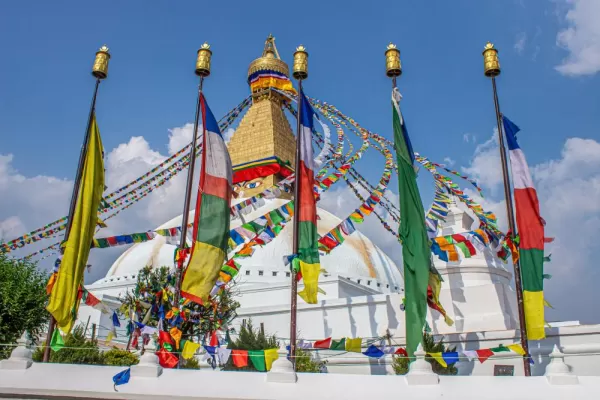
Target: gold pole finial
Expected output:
[491,64]
[100,67]
[393,66]
[300,63]
[203,60]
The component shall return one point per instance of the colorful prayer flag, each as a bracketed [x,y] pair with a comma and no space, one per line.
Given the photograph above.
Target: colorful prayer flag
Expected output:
[257,357]
[322,344]
[64,301]
[270,356]
[240,358]
[531,232]
[308,253]
[211,220]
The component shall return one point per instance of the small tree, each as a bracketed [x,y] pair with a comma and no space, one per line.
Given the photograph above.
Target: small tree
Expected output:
[250,339]
[22,301]
[119,357]
[400,364]
[155,291]
[77,350]
[305,362]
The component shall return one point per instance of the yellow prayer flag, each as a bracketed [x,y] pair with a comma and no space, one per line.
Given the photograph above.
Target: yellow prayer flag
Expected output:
[517,348]
[310,276]
[64,302]
[176,335]
[354,345]
[189,349]
[270,356]
[438,357]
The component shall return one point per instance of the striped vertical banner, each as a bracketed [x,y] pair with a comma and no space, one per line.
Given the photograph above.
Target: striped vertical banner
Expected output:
[211,220]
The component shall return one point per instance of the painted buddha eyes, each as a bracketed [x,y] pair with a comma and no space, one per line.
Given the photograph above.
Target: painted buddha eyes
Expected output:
[253,185]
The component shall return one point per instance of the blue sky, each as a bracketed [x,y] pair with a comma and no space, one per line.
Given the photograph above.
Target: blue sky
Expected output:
[549,52]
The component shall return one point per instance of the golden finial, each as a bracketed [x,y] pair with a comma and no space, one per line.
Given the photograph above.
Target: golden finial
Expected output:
[203,60]
[393,67]
[300,63]
[100,67]
[491,63]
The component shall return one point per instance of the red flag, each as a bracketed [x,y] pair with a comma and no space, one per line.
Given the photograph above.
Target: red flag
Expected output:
[164,337]
[401,351]
[214,340]
[240,358]
[322,344]
[484,354]
[167,359]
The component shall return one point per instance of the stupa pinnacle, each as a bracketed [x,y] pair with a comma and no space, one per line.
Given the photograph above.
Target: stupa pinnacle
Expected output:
[262,148]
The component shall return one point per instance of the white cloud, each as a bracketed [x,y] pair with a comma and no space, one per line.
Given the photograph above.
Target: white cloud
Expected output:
[469,138]
[569,194]
[581,39]
[520,41]
[449,162]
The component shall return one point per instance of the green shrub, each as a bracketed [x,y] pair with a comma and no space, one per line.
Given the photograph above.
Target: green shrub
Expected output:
[250,339]
[305,362]
[400,364]
[192,363]
[77,350]
[120,357]
[22,301]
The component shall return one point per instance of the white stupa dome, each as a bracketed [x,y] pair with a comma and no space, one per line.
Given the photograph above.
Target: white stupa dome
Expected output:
[357,258]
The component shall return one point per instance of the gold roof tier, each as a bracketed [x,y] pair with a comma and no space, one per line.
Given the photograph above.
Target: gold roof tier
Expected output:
[270,60]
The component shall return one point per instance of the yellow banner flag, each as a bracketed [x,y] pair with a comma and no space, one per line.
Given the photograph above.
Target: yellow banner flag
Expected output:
[64,300]
[353,345]
[517,348]
[189,349]
[270,356]
[438,357]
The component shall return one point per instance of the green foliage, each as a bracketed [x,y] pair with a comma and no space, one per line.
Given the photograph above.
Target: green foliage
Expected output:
[121,357]
[192,363]
[400,364]
[305,362]
[202,319]
[22,301]
[77,350]
[250,339]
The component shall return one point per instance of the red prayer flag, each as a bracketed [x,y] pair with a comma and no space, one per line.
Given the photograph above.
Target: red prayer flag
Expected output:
[322,344]
[166,359]
[214,341]
[484,354]
[240,358]
[165,337]
[401,351]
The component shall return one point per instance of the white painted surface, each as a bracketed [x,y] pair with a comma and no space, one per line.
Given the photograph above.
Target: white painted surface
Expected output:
[86,381]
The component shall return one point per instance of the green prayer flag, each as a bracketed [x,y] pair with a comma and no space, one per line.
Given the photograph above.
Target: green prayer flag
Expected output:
[276,217]
[499,349]
[258,359]
[56,343]
[338,344]
[413,235]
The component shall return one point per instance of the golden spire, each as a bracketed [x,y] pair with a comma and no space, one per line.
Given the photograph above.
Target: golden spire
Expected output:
[269,60]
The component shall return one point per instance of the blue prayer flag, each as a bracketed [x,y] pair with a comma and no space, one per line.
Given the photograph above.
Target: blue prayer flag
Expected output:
[373,351]
[122,377]
[450,357]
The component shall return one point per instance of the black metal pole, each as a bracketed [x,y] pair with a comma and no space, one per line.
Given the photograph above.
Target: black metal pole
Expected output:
[512,228]
[74,194]
[294,303]
[188,192]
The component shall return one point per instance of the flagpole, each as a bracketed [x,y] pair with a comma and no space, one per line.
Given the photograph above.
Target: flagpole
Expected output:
[202,70]
[492,69]
[300,73]
[100,72]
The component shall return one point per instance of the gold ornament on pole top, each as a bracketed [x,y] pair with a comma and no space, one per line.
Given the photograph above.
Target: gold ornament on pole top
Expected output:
[393,66]
[203,60]
[491,64]
[100,68]
[300,63]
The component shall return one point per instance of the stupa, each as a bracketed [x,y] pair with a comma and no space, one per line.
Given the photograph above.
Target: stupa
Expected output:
[363,286]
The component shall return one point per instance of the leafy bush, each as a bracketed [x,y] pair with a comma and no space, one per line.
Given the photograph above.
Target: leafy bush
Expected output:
[120,357]
[250,339]
[305,362]
[22,301]
[77,350]
[192,363]
[400,364]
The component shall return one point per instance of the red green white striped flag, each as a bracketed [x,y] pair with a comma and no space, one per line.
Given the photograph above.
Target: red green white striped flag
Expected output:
[531,232]
[306,206]
[211,220]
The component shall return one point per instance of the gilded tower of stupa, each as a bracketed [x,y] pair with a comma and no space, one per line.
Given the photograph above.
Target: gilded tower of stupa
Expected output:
[263,147]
